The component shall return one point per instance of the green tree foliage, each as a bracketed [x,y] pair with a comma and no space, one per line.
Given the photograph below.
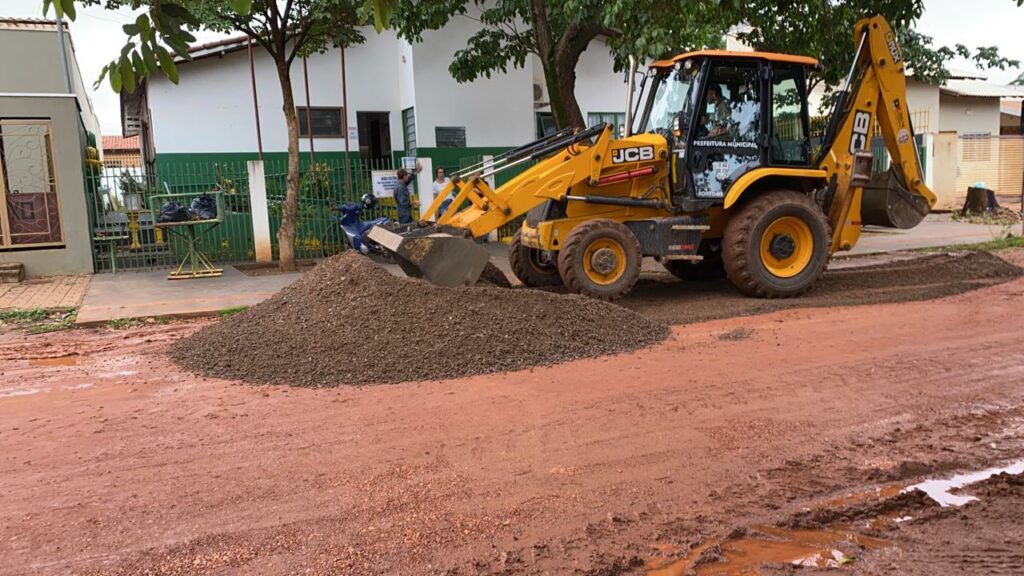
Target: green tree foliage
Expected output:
[559,31]
[286,29]
[1019,81]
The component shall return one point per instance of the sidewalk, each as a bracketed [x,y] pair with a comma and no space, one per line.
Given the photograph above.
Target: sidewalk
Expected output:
[935,231]
[51,292]
[144,294]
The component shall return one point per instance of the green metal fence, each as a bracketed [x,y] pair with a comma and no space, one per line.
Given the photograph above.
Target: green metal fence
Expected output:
[124,237]
[322,187]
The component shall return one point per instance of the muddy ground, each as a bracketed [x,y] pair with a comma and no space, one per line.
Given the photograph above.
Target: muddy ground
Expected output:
[925,277]
[731,433]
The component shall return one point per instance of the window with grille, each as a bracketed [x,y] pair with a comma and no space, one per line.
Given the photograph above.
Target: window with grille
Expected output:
[409,131]
[322,122]
[450,136]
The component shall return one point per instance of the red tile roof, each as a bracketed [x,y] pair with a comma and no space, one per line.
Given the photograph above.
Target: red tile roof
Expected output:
[111,143]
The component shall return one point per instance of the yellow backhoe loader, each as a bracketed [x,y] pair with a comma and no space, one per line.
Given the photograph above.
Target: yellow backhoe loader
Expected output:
[722,177]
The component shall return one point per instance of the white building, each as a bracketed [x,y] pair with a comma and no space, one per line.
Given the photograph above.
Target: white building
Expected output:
[402,101]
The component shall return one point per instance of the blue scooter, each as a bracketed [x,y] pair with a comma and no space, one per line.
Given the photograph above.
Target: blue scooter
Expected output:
[355,228]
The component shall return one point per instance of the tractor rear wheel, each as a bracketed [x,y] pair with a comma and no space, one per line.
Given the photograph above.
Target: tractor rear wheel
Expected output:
[530,267]
[777,245]
[600,259]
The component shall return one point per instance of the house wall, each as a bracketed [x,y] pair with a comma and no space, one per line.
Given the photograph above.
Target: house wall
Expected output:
[211,110]
[68,146]
[599,89]
[496,111]
[923,99]
[30,61]
[966,115]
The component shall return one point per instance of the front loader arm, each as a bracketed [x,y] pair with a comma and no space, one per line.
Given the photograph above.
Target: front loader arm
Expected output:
[560,165]
[878,94]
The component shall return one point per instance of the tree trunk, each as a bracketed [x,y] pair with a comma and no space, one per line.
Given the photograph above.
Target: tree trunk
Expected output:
[286,233]
[980,201]
[560,77]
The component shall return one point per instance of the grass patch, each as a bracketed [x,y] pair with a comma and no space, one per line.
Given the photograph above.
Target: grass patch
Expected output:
[228,312]
[40,320]
[125,323]
[997,217]
[1008,241]
[24,316]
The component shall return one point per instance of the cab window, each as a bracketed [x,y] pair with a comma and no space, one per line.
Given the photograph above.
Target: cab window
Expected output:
[789,143]
[732,105]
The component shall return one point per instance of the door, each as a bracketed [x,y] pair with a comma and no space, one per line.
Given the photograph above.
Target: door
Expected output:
[727,128]
[29,208]
[374,136]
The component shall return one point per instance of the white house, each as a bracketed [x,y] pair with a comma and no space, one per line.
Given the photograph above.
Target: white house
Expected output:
[402,101]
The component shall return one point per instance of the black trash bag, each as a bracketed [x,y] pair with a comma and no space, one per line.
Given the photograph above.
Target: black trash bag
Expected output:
[204,208]
[172,212]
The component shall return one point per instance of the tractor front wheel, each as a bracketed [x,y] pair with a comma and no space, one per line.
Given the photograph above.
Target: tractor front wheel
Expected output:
[777,245]
[600,259]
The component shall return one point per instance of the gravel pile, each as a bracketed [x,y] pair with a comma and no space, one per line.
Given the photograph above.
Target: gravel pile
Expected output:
[349,321]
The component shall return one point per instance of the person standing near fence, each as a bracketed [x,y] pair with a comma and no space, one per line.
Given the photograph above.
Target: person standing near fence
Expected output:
[404,201]
[439,185]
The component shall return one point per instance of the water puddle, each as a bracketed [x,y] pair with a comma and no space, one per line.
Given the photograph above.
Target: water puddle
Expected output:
[941,490]
[831,547]
[58,361]
[772,545]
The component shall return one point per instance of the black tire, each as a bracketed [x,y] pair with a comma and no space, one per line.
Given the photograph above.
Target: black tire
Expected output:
[709,269]
[527,265]
[594,246]
[779,266]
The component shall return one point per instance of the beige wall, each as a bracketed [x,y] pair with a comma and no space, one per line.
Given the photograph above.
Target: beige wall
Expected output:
[30,61]
[68,145]
[966,115]
[923,102]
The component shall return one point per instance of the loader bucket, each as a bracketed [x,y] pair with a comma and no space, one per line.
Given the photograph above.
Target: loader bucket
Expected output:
[439,258]
[886,202]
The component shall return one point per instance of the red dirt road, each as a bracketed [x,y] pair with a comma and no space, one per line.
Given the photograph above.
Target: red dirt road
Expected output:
[114,461]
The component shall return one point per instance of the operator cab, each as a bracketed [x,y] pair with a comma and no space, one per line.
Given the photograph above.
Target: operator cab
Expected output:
[725,114]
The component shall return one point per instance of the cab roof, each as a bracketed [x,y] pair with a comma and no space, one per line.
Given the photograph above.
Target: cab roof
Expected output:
[772,56]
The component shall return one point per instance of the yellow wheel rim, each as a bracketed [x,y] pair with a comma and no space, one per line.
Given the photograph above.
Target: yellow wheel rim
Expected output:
[787,246]
[604,261]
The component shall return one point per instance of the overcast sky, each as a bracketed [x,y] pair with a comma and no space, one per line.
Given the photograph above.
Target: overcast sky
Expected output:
[98,38]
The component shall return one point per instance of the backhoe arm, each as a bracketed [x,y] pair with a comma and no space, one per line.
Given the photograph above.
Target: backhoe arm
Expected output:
[875,91]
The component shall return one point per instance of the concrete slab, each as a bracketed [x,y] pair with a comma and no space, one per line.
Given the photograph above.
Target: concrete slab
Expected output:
[145,294]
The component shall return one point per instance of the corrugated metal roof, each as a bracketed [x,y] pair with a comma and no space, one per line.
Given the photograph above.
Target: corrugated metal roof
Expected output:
[979,89]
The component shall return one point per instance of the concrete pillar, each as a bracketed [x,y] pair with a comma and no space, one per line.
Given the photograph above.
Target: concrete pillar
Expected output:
[260,212]
[425,183]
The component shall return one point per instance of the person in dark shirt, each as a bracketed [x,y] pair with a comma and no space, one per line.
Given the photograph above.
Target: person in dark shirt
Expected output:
[404,201]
